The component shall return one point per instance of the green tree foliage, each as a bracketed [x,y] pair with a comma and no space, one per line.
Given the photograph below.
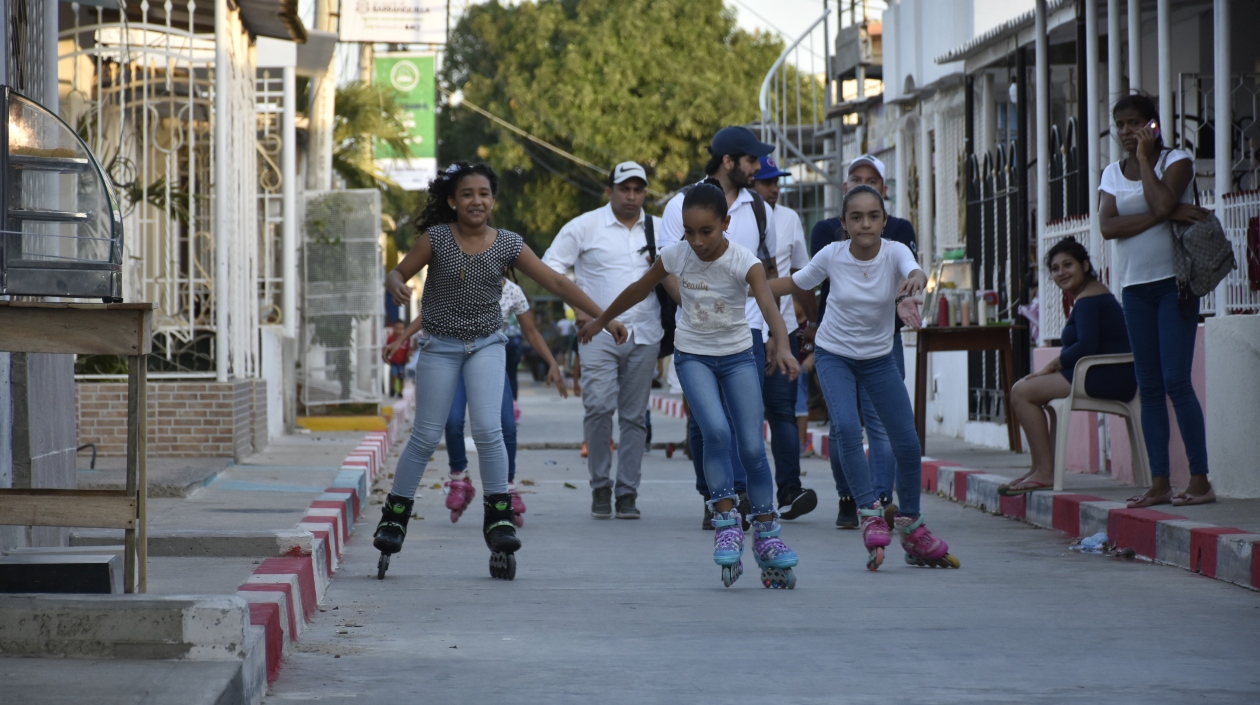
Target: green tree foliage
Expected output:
[607,80]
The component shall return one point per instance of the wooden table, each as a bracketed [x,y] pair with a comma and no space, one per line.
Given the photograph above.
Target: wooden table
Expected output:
[964,338]
[97,329]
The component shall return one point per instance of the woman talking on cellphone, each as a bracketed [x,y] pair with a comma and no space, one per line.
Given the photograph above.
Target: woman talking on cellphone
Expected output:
[1141,195]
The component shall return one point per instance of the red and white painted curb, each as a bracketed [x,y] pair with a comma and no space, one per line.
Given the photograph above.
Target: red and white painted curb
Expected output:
[1228,554]
[284,592]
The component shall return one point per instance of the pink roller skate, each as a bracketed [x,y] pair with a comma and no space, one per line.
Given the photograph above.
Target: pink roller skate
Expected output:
[875,533]
[922,548]
[459,494]
[518,506]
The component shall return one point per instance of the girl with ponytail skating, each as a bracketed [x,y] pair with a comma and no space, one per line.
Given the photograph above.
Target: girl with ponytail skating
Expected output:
[714,358]
[462,322]
[870,277]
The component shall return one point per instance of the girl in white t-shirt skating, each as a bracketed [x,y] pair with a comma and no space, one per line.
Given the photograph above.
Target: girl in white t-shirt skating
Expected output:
[715,363]
[869,277]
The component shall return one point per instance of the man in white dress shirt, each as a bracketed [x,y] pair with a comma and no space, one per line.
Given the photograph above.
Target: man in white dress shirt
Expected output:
[778,393]
[735,159]
[607,249]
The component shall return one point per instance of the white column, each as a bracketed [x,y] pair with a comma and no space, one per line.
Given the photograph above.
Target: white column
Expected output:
[1115,73]
[988,114]
[1092,121]
[222,159]
[288,195]
[1135,45]
[1222,122]
[52,94]
[905,141]
[927,239]
[938,182]
[1163,50]
[1042,51]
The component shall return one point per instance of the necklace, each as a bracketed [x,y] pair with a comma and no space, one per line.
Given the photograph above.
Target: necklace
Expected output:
[468,259]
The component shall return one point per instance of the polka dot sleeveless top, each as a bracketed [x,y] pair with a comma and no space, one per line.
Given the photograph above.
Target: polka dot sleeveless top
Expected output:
[462,292]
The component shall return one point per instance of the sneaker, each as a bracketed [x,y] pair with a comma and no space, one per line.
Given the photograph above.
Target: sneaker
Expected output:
[847,519]
[798,502]
[807,451]
[707,523]
[601,503]
[744,507]
[626,508]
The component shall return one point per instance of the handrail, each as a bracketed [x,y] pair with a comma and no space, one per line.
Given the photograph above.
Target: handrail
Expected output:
[767,122]
[765,84]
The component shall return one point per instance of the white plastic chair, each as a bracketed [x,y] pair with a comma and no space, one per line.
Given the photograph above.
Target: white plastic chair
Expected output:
[1079,400]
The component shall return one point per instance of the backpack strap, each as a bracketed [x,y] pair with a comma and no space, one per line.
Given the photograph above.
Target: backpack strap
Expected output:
[759,211]
[650,232]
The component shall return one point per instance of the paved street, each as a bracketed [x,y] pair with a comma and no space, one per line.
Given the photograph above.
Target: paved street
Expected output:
[635,612]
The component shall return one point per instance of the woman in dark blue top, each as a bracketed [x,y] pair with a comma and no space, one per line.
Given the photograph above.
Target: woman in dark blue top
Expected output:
[1095,327]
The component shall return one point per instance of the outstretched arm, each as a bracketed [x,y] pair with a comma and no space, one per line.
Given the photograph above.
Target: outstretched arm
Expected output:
[529,264]
[784,286]
[780,356]
[391,348]
[396,281]
[632,295]
[529,328]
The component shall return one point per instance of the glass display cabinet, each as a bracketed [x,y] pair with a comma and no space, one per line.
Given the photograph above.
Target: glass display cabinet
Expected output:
[60,227]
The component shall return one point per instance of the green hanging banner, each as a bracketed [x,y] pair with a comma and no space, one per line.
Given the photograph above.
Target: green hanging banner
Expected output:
[412,77]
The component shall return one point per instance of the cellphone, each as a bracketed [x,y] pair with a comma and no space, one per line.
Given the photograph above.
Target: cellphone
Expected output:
[1154,127]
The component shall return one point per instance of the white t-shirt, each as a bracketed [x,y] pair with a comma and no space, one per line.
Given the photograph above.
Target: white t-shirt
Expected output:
[862,304]
[1147,257]
[711,318]
[792,254]
[743,232]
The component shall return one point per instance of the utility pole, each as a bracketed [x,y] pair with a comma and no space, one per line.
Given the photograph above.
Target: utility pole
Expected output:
[323,94]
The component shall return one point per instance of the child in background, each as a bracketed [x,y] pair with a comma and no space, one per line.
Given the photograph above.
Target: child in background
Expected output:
[400,346]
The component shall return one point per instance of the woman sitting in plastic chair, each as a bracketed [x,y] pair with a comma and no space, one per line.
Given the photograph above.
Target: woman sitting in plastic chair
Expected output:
[1094,327]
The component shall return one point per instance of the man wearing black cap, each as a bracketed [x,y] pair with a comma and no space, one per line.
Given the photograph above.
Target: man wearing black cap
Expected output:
[735,158]
[866,170]
[608,250]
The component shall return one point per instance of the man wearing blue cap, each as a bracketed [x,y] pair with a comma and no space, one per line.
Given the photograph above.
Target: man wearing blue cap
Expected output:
[778,393]
[735,158]
[866,170]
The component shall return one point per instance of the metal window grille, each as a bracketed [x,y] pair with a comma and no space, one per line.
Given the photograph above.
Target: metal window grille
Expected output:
[269,96]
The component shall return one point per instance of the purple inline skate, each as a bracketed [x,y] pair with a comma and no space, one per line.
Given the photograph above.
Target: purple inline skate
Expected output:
[922,548]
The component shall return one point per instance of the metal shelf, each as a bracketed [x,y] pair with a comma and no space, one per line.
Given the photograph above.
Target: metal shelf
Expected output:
[34,162]
[29,214]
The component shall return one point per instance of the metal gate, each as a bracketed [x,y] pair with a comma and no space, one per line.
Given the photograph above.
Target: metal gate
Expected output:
[343,298]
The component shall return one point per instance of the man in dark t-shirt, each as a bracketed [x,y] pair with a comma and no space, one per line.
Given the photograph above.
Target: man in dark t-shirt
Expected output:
[866,170]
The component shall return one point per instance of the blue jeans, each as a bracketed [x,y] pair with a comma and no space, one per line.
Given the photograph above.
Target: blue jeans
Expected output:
[439,364]
[778,393]
[880,456]
[697,443]
[455,450]
[841,378]
[513,352]
[1162,333]
[708,381]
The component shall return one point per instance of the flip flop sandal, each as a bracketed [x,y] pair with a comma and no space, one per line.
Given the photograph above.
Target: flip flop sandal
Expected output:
[1027,487]
[1142,501]
[1185,499]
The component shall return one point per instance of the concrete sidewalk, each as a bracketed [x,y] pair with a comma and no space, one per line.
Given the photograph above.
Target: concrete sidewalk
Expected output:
[240,556]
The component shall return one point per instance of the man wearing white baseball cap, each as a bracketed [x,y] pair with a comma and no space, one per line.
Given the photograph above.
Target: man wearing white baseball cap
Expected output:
[865,170]
[608,250]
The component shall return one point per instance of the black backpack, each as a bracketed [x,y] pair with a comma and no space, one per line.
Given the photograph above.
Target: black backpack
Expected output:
[669,308]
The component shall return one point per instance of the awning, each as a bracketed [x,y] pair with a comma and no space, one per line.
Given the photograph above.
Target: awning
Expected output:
[1003,32]
[277,19]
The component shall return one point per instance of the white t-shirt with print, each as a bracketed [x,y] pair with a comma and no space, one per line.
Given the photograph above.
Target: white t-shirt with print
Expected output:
[513,303]
[1148,256]
[711,317]
[862,304]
